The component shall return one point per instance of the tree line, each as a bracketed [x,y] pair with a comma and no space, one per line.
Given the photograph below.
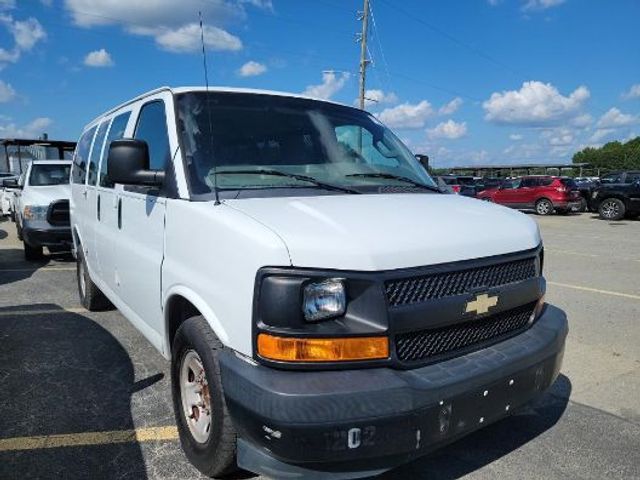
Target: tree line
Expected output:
[612,156]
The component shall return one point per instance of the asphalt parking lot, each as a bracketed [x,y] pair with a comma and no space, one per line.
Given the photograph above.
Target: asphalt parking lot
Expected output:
[83,395]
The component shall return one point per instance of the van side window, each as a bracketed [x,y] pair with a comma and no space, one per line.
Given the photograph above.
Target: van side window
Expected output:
[95,153]
[529,182]
[152,128]
[81,156]
[118,126]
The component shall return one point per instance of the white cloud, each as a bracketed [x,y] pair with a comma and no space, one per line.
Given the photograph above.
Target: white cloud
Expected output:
[33,129]
[188,39]
[450,130]
[331,84]
[581,121]
[516,137]
[7,93]
[451,107]
[535,104]
[99,58]
[26,34]
[7,4]
[541,4]
[600,134]
[252,69]
[614,118]
[378,97]
[173,27]
[407,115]
[633,93]
[522,151]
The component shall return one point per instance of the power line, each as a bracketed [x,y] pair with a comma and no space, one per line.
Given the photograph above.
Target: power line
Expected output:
[452,39]
[376,34]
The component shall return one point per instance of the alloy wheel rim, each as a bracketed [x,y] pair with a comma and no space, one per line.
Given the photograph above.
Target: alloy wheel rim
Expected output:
[195,396]
[543,208]
[610,209]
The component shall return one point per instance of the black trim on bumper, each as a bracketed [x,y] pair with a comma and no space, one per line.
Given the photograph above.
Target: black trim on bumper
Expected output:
[52,237]
[356,421]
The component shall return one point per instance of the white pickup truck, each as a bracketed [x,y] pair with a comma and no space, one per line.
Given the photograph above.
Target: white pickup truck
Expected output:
[328,312]
[41,207]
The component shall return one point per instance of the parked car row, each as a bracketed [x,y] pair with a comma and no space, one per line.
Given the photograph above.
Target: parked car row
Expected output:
[614,196]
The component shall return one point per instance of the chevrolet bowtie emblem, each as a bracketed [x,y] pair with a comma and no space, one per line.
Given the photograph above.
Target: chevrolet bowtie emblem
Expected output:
[481,304]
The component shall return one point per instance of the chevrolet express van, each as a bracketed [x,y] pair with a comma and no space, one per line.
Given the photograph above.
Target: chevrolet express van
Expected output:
[328,312]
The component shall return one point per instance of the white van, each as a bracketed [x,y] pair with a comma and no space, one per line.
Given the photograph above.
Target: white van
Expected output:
[327,311]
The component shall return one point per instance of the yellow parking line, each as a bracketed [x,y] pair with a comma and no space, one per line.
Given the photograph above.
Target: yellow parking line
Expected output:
[43,269]
[151,434]
[17,313]
[595,290]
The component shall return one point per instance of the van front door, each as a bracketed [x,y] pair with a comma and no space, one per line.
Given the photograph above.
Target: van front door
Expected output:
[140,215]
[106,203]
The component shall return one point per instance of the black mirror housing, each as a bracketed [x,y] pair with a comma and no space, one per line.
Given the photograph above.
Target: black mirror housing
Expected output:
[128,163]
[11,183]
[424,161]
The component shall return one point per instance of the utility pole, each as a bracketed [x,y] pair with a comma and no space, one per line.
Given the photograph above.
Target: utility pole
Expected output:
[364,61]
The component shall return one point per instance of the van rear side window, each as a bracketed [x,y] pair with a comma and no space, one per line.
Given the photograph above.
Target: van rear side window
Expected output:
[118,126]
[82,156]
[95,153]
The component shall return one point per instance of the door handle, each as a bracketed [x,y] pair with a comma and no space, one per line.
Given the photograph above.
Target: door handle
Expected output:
[119,213]
[84,193]
[98,207]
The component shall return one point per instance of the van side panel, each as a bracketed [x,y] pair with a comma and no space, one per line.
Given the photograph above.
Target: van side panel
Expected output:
[212,255]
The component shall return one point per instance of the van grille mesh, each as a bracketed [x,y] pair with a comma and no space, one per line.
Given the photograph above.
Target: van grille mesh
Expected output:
[418,289]
[427,344]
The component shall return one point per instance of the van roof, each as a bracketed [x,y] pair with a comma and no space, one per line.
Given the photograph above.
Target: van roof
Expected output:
[178,90]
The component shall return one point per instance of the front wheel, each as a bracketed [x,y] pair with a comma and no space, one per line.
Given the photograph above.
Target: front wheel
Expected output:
[31,253]
[204,425]
[91,297]
[612,209]
[544,207]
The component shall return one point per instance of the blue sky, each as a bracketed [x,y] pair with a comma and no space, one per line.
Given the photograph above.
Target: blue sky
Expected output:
[467,82]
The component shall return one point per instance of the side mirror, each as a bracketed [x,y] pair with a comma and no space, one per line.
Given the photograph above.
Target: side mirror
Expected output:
[128,163]
[11,183]
[424,161]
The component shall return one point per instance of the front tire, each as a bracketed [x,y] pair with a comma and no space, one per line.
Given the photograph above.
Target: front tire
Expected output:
[91,297]
[31,253]
[206,431]
[544,207]
[612,209]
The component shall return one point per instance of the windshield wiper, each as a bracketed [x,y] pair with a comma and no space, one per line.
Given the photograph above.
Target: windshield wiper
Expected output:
[400,178]
[303,178]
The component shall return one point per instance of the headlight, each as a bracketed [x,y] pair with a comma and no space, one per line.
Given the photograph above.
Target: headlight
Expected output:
[33,212]
[324,300]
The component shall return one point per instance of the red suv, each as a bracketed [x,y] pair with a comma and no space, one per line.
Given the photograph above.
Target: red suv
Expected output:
[544,194]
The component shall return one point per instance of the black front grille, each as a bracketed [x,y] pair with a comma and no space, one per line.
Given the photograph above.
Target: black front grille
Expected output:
[426,344]
[418,289]
[59,213]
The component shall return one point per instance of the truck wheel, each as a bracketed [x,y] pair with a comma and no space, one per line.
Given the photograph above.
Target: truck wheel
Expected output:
[612,209]
[544,207]
[32,253]
[91,297]
[206,431]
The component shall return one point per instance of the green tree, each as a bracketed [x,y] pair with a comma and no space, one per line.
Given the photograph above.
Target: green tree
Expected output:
[612,156]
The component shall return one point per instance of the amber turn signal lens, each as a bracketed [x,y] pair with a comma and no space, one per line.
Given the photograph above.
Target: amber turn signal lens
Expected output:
[288,349]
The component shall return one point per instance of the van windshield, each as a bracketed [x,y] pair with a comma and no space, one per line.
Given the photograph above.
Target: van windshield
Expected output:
[244,136]
[47,175]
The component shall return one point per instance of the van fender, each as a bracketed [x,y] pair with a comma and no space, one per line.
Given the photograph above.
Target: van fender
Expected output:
[203,307]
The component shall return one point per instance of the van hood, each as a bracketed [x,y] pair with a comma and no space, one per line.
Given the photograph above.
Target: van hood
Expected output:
[384,232]
[43,196]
